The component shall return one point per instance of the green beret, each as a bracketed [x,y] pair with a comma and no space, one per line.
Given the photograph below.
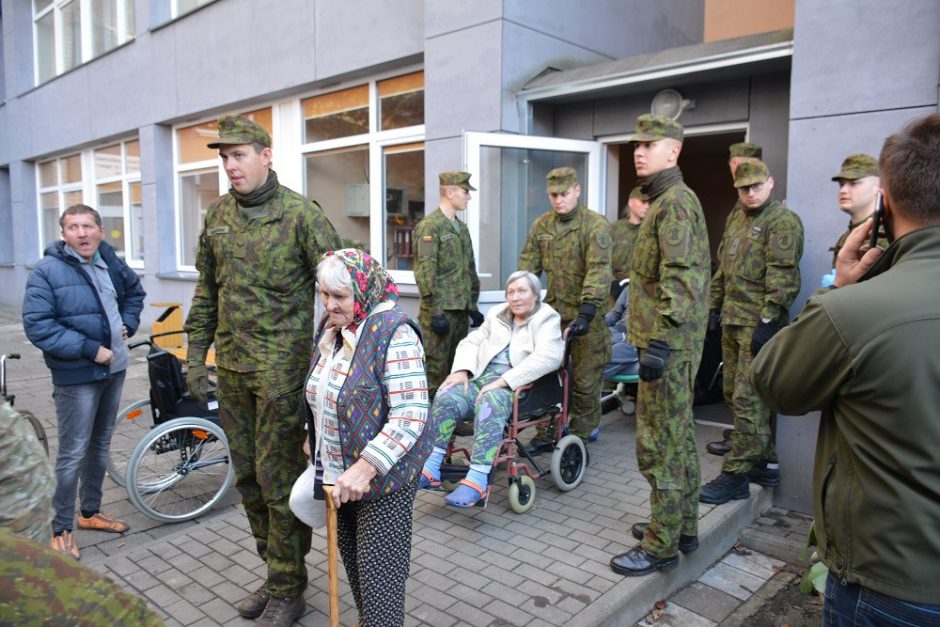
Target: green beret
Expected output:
[236,129]
[455,177]
[637,192]
[652,127]
[560,179]
[745,149]
[750,172]
[857,166]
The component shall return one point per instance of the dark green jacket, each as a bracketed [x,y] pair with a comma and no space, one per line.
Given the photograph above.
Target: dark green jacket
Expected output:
[623,235]
[758,272]
[575,256]
[256,289]
[868,356]
[445,269]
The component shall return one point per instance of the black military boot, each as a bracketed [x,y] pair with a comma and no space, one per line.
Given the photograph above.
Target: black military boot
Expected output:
[762,475]
[725,487]
[637,561]
[253,605]
[687,544]
[721,447]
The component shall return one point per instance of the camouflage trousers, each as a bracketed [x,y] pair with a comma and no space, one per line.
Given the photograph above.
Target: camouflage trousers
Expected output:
[265,431]
[751,440]
[667,456]
[439,349]
[41,586]
[490,414]
[589,354]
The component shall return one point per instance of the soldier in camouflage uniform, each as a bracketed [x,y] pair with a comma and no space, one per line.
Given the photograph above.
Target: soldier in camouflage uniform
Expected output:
[571,244]
[257,259]
[858,191]
[741,151]
[757,280]
[623,235]
[668,312]
[42,586]
[27,479]
[446,273]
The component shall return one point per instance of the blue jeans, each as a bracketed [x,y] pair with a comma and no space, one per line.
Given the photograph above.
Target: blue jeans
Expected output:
[86,415]
[852,605]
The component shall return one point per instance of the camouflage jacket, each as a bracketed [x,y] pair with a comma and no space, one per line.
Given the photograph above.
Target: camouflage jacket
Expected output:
[758,272]
[27,478]
[575,256]
[623,237]
[256,289]
[445,269]
[669,274]
[882,241]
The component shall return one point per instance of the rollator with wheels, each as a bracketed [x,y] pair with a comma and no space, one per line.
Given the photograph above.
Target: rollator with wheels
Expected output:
[541,403]
[174,459]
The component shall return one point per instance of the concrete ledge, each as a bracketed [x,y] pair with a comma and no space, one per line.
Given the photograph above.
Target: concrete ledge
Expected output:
[631,599]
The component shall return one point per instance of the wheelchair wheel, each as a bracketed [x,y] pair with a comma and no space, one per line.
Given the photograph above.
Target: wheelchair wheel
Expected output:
[131,425]
[568,461]
[37,427]
[521,494]
[180,470]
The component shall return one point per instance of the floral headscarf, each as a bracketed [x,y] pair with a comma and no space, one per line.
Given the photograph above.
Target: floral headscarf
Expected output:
[371,284]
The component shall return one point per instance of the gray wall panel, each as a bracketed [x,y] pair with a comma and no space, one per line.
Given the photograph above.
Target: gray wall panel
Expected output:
[442,17]
[864,55]
[769,112]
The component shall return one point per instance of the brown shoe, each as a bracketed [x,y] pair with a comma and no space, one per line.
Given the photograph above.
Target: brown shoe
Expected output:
[282,612]
[102,522]
[64,543]
[253,605]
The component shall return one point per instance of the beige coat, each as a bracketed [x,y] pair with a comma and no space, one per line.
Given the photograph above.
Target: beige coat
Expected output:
[535,346]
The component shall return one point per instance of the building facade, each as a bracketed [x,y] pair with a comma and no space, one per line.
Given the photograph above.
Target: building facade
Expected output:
[111,103]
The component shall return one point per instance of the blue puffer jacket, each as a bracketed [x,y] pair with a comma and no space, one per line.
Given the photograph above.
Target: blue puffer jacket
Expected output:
[63,315]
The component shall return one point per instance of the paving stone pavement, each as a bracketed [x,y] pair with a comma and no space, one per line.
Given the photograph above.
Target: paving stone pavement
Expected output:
[479,567]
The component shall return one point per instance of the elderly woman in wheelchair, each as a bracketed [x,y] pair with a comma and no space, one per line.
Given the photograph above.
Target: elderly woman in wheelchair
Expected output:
[518,342]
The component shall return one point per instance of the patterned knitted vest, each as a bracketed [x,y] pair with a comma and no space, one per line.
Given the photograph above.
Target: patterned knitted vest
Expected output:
[362,408]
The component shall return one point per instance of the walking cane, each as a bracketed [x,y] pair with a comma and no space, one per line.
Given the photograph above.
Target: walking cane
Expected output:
[332,556]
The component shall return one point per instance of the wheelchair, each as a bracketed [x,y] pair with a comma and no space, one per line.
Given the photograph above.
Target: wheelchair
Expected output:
[542,402]
[174,459]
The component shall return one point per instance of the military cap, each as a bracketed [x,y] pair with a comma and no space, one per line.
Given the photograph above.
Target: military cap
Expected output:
[637,192]
[455,177]
[857,166]
[745,149]
[560,179]
[236,129]
[750,172]
[652,127]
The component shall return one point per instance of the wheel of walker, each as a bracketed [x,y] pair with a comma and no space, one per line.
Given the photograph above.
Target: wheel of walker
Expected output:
[568,461]
[37,427]
[627,405]
[522,494]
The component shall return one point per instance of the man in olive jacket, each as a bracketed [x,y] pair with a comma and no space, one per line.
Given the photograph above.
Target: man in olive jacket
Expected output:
[866,352]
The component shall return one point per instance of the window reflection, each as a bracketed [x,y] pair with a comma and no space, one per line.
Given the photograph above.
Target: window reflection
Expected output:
[404,202]
[197,191]
[339,181]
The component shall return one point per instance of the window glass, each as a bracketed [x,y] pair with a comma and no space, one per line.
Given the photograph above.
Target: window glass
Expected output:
[192,140]
[339,181]
[49,215]
[104,28]
[512,195]
[47,174]
[71,34]
[70,169]
[401,101]
[404,202]
[108,162]
[45,47]
[197,191]
[339,114]
[73,197]
[136,225]
[111,207]
[39,5]
[132,156]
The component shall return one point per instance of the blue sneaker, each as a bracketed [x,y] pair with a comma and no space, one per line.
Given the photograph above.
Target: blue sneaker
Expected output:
[595,433]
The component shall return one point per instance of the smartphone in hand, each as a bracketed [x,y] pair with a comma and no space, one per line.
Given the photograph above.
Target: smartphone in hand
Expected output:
[876,220]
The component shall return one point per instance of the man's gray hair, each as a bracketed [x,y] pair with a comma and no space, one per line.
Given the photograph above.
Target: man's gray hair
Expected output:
[534,284]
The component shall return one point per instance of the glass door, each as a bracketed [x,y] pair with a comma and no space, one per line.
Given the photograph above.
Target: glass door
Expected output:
[509,172]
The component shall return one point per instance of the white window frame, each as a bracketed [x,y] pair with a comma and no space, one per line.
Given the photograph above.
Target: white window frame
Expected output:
[85,29]
[475,142]
[60,189]
[126,179]
[175,8]
[180,170]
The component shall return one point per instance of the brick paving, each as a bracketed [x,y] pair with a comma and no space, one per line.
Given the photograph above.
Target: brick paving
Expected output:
[478,567]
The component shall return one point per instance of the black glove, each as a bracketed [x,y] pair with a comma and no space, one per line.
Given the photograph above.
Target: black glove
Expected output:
[653,360]
[197,375]
[762,335]
[476,318]
[714,319]
[440,325]
[579,326]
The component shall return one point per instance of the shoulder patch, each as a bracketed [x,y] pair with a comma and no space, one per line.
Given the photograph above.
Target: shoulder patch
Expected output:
[676,240]
[783,246]
[603,240]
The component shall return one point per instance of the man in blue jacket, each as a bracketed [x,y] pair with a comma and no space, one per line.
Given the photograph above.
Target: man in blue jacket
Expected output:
[82,302]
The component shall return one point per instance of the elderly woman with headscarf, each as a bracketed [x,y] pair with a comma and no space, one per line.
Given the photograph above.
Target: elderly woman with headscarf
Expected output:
[518,342]
[366,402]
